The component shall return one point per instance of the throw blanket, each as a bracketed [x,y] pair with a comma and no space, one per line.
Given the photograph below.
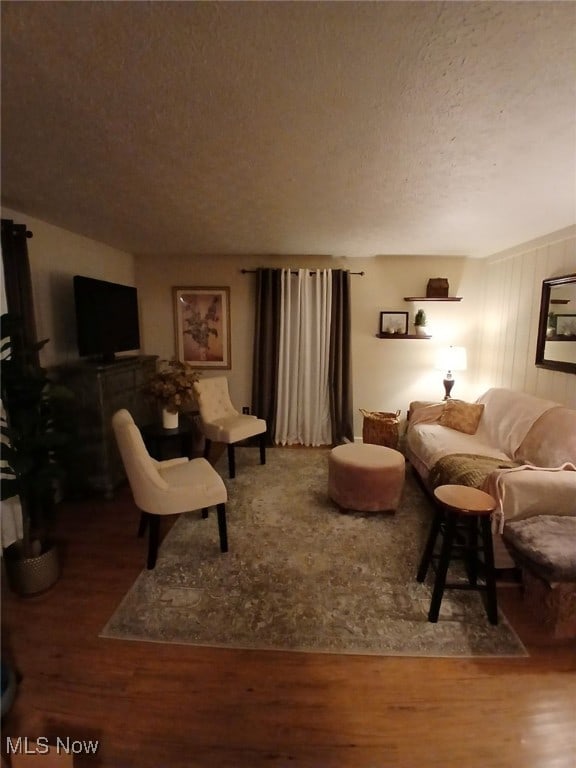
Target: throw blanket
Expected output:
[495,486]
[466,469]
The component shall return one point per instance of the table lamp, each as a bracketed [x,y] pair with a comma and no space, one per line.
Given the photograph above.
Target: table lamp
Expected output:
[450,359]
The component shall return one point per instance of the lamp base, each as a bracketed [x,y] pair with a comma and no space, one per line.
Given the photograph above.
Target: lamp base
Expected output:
[448,384]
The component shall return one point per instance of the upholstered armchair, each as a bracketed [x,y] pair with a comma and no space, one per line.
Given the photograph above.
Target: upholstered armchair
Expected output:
[222,423]
[167,487]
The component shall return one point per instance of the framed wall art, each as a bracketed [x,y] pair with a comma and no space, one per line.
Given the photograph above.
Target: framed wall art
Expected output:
[202,324]
[566,325]
[394,322]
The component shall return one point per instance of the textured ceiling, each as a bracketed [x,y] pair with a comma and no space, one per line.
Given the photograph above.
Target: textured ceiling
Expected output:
[339,128]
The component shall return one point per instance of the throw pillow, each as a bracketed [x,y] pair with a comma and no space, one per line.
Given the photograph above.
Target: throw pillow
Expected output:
[462,416]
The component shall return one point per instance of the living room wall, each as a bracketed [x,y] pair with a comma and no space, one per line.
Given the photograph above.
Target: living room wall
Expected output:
[56,255]
[387,373]
[496,319]
[513,283]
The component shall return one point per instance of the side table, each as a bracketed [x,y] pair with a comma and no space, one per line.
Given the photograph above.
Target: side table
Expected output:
[169,443]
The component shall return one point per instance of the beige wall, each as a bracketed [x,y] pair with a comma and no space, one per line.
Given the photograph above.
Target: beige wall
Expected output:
[496,319]
[387,373]
[56,255]
[513,283]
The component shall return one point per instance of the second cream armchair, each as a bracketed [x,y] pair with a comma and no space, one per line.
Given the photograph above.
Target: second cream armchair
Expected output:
[222,423]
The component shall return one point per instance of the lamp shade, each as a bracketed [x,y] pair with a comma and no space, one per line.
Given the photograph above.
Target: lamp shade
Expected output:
[451,359]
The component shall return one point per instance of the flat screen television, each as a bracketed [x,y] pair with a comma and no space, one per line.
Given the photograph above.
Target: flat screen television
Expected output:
[106,318]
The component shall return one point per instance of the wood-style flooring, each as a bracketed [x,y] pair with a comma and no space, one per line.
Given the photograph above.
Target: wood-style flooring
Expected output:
[167,706]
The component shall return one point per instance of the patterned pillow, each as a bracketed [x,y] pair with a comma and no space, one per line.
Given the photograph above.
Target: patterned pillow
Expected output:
[461,416]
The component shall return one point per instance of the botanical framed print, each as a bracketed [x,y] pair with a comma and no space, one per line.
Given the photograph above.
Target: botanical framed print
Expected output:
[394,322]
[202,323]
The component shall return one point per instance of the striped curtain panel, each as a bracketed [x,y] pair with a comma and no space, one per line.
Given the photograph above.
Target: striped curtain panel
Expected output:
[302,375]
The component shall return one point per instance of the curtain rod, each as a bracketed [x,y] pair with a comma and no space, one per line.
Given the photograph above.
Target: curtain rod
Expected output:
[292,271]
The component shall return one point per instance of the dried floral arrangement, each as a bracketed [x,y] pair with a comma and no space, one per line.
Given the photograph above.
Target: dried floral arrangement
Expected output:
[172,385]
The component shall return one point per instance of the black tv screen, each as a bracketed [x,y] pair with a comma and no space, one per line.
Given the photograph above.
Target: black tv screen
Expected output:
[106,318]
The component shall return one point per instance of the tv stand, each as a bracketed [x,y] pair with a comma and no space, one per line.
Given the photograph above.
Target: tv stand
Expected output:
[100,390]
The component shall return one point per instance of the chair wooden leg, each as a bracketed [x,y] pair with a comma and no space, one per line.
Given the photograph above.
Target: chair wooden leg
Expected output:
[153,539]
[443,563]
[490,575]
[429,548]
[205,513]
[471,559]
[231,461]
[263,448]
[207,444]
[143,524]
[221,511]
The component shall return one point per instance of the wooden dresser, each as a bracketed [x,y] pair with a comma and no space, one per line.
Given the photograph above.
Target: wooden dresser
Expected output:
[100,389]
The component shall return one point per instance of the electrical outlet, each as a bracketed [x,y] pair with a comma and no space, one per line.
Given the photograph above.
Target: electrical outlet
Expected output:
[246,409]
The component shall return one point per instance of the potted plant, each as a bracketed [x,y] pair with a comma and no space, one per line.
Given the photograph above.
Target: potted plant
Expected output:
[172,387]
[420,323]
[33,444]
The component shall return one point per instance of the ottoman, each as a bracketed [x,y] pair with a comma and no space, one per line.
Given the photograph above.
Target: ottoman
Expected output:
[543,547]
[365,477]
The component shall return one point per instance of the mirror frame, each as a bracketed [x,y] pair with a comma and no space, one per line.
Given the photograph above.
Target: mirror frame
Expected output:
[541,362]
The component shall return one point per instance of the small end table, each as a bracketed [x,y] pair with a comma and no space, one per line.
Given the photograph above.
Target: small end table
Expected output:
[170,443]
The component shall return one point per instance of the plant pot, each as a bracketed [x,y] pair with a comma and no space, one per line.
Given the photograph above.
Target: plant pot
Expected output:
[169,419]
[31,575]
[420,330]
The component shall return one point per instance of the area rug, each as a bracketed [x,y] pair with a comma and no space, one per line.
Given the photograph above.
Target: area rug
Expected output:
[303,575]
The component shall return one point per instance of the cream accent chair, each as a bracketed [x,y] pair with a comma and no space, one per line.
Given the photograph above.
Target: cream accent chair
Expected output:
[167,487]
[222,423]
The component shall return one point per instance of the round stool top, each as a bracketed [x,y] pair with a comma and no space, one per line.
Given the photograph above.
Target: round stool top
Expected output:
[465,499]
[366,455]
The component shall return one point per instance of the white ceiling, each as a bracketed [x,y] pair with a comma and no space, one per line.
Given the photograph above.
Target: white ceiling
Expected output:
[343,128]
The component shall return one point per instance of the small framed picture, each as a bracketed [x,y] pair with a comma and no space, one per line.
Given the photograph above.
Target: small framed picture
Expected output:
[202,323]
[566,325]
[394,322]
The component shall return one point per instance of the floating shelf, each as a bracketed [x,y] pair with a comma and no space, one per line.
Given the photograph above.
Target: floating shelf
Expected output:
[401,336]
[562,337]
[432,298]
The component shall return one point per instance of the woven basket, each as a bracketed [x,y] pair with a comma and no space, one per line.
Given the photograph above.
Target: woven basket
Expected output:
[380,428]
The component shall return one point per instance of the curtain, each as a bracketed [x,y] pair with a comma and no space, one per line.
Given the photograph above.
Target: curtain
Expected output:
[340,374]
[278,294]
[17,278]
[266,346]
[303,405]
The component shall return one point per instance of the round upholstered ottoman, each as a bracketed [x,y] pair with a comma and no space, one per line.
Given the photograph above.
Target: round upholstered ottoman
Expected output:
[365,477]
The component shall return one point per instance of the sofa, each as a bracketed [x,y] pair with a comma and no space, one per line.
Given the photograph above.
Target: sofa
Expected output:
[519,448]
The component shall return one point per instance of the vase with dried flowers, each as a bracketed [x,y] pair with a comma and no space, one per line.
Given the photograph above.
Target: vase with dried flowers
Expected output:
[172,387]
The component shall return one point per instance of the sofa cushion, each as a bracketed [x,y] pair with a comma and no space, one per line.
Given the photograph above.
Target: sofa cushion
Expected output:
[464,417]
[551,441]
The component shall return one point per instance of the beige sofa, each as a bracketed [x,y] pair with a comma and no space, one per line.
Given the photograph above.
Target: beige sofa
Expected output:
[523,452]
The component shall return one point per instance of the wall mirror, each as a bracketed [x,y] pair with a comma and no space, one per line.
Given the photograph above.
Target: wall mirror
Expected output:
[556,345]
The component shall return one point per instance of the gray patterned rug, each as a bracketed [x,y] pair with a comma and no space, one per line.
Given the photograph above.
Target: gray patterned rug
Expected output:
[301,575]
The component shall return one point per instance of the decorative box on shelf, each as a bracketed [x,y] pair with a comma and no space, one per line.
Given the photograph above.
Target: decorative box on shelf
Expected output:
[437,288]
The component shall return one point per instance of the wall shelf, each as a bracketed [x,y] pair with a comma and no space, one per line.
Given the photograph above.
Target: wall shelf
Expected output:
[432,298]
[401,336]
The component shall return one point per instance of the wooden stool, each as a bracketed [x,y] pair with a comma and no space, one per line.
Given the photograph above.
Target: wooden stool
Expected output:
[461,508]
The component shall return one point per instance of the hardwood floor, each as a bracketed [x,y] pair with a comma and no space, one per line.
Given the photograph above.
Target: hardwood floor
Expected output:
[166,706]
